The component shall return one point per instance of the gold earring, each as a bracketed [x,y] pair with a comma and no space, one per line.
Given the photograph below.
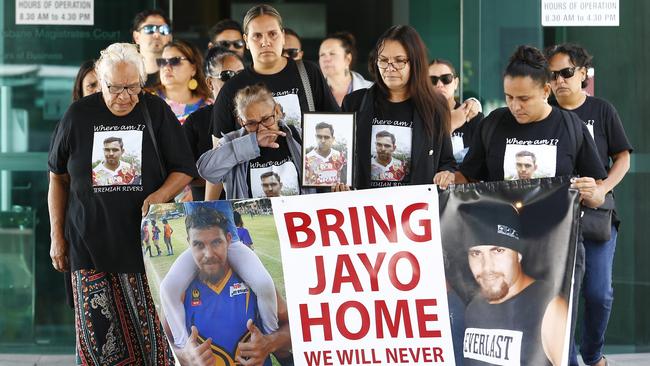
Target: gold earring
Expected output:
[193,84]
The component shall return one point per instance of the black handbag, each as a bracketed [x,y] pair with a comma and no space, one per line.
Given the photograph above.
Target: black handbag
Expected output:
[596,223]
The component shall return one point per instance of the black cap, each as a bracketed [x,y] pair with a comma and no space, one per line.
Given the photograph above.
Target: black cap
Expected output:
[493,223]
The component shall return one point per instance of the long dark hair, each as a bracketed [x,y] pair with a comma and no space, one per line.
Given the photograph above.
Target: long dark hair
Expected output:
[430,105]
[529,61]
[84,69]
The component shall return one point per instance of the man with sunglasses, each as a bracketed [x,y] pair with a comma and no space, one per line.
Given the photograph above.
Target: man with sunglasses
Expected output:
[227,33]
[263,145]
[151,32]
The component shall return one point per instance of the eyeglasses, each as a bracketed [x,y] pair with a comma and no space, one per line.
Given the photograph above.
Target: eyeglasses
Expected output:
[226,75]
[267,121]
[290,52]
[565,73]
[238,43]
[163,29]
[398,64]
[117,89]
[172,61]
[445,78]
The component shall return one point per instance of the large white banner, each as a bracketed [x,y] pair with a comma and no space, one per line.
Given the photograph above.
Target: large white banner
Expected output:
[364,277]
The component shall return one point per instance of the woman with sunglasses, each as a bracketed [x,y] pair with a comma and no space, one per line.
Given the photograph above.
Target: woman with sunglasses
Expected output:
[221,65]
[402,125]
[182,83]
[532,139]
[465,117]
[264,36]
[569,64]
[336,56]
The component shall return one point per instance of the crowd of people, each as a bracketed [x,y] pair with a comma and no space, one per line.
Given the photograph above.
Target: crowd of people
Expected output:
[151,119]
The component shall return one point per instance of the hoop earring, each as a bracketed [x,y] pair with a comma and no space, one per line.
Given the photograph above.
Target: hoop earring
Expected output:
[192,84]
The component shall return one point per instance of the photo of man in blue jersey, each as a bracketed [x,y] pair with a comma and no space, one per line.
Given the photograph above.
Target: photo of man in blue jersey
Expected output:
[221,313]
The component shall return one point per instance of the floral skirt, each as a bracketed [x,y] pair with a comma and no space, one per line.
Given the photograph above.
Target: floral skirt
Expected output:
[116,321]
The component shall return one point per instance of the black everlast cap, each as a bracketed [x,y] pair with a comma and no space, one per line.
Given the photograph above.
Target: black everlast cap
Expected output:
[493,223]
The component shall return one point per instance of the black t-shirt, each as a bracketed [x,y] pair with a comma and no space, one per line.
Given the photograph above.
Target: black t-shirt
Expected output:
[533,150]
[604,126]
[113,167]
[461,138]
[152,79]
[198,130]
[277,161]
[287,90]
[391,142]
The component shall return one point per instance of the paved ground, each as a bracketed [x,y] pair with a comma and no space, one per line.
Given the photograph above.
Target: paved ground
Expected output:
[634,359]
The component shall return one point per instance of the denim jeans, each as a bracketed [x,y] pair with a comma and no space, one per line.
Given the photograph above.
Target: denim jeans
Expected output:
[457,317]
[597,296]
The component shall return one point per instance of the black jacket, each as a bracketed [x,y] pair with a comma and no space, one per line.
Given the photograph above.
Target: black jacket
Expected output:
[430,153]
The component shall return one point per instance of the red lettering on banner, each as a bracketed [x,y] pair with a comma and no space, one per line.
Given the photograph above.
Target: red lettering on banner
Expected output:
[344,261]
[314,358]
[335,227]
[293,229]
[372,216]
[308,322]
[405,355]
[357,357]
[331,221]
[373,270]
[396,321]
[425,224]
[401,314]
[343,328]
[320,275]
[415,273]
[424,317]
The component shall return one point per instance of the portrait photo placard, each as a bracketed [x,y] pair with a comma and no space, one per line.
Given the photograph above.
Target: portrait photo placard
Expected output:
[328,148]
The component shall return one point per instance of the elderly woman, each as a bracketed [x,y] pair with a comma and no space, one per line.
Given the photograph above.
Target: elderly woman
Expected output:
[112,155]
[182,82]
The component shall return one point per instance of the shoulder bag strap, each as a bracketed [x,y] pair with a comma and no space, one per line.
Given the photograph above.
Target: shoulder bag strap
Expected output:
[306,85]
[147,121]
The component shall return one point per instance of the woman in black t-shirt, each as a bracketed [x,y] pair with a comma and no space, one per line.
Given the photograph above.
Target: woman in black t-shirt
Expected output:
[105,171]
[531,139]
[264,36]
[569,64]
[465,117]
[221,65]
[402,125]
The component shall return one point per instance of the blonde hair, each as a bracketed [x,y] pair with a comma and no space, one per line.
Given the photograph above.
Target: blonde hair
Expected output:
[259,10]
[117,53]
[246,96]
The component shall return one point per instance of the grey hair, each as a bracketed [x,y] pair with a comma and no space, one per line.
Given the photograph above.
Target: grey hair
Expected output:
[257,93]
[259,10]
[117,53]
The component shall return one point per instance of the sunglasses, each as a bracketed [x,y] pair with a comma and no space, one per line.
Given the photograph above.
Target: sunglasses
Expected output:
[226,75]
[290,52]
[163,29]
[565,73]
[239,43]
[445,78]
[172,61]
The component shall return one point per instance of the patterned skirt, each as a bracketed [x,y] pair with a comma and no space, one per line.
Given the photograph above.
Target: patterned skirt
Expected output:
[116,321]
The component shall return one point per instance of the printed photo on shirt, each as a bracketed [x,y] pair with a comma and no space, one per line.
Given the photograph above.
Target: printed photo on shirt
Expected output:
[290,107]
[391,153]
[117,158]
[327,147]
[458,146]
[274,179]
[529,161]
